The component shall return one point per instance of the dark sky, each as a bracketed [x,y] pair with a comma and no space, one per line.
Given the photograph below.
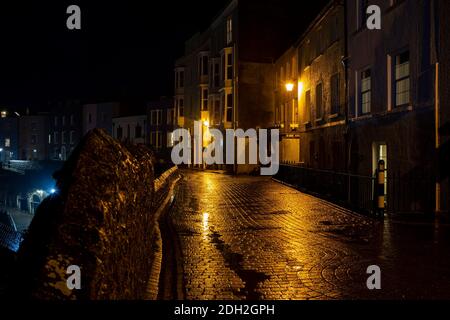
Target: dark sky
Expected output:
[125,50]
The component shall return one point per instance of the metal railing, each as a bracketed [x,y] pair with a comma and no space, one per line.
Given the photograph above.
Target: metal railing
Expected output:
[405,193]
[351,190]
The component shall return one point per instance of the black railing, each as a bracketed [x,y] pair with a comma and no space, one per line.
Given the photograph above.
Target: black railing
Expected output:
[346,189]
[407,193]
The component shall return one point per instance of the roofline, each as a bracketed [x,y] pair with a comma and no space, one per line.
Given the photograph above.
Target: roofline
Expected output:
[315,22]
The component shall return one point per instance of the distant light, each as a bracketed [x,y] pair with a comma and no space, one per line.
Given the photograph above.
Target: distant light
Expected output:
[4,114]
[206,123]
[52,191]
[34,150]
[17,114]
[289,86]
[1,149]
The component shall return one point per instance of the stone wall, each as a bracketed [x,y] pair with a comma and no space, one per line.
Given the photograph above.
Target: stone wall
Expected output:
[101,219]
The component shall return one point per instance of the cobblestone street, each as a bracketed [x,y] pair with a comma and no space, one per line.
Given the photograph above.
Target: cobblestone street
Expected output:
[253,238]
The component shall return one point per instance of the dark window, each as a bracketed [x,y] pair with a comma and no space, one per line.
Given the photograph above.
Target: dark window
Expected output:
[319,105]
[205,65]
[307,115]
[366,91]
[402,80]
[181,107]
[204,99]
[216,75]
[138,131]
[230,107]
[363,4]
[119,133]
[181,79]
[334,84]
[33,139]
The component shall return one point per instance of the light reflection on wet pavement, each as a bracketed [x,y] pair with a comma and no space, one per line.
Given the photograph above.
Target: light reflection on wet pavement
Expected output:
[253,238]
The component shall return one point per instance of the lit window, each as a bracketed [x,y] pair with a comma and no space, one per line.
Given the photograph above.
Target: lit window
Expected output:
[7,142]
[4,114]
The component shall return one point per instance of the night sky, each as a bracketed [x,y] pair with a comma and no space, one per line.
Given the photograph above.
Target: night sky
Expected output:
[125,50]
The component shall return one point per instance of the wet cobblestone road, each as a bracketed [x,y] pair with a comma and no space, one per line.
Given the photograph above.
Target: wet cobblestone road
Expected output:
[253,238]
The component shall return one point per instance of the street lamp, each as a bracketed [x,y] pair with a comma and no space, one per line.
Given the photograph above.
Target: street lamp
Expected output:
[289,86]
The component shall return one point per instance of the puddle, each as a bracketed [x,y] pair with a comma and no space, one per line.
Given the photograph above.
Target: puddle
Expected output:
[235,261]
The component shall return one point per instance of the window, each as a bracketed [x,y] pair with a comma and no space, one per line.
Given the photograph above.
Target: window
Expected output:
[229,66]
[229,107]
[138,131]
[7,142]
[204,65]
[216,74]
[90,118]
[156,139]
[204,99]
[56,121]
[181,107]
[33,139]
[319,105]
[156,117]
[217,111]
[307,110]
[169,116]
[72,137]
[55,138]
[170,140]
[402,81]
[181,79]
[362,13]
[366,91]
[229,30]
[33,126]
[119,133]
[63,120]
[49,138]
[72,120]
[63,137]
[335,103]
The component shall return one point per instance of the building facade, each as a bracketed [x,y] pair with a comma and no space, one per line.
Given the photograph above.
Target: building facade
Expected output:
[310,94]
[9,136]
[162,122]
[391,107]
[99,115]
[33,137]
[131,129]
[65,129]
[225,78]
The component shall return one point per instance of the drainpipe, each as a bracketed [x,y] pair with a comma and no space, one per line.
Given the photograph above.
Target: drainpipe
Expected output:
[437,103]
[346,106]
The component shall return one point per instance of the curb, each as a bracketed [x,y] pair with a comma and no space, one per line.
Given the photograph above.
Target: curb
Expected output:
[157,242]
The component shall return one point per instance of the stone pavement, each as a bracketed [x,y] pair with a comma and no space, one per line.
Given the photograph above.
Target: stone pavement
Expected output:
[253,238]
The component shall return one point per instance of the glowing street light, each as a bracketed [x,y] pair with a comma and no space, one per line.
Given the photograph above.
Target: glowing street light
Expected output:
[289,86]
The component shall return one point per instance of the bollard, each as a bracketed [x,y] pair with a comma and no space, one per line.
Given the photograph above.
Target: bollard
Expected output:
[380,179]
